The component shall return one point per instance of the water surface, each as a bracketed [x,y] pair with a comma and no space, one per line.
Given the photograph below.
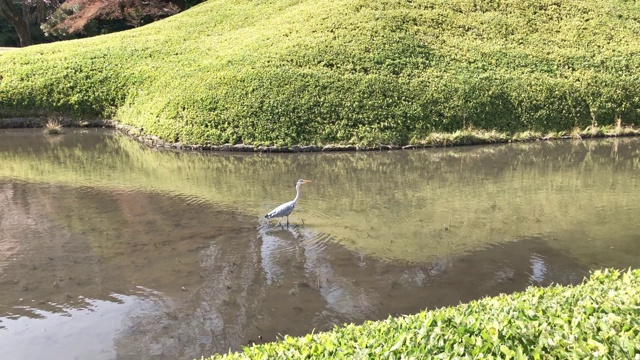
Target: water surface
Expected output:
[112,250]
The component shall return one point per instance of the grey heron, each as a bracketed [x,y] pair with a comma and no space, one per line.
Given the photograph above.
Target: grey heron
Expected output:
[287,208]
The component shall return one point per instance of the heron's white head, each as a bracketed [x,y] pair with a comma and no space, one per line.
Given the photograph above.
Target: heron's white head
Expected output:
[302,181]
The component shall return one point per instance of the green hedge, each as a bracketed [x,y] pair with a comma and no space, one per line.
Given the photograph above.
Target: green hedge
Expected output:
[597,319]
[359,72]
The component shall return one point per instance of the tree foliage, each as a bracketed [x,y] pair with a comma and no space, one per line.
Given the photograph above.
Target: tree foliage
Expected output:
[36,21]
[94,17]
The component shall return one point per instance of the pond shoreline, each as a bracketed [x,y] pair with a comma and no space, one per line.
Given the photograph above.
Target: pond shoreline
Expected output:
[462,138]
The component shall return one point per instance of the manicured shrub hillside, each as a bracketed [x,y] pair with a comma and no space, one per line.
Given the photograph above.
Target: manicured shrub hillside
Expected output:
[344,71]
[597,319]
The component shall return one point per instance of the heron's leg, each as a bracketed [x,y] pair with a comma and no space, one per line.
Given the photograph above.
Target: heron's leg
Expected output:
[287,221]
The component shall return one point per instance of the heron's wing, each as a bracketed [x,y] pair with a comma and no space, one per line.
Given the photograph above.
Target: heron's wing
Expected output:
[282,210]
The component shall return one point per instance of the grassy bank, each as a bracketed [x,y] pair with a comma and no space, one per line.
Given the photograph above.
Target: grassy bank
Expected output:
[344,72]
[598,318]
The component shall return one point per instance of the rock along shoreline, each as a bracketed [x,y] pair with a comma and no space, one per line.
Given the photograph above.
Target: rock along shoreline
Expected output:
[153,141]
[156,142]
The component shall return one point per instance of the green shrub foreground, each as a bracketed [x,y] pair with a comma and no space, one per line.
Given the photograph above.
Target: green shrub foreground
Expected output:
[359,72]
[598,319]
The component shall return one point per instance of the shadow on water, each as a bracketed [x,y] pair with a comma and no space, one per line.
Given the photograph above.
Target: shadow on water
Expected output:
[108,250]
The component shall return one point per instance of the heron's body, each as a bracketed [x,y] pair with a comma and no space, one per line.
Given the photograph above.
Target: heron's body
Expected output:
[286,209]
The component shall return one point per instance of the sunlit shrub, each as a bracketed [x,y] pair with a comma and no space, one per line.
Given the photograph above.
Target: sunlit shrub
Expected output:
[598,318]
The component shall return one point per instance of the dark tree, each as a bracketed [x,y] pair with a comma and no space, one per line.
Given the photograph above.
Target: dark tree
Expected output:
[80,18]
[25,16]
[11,12]
[50,20]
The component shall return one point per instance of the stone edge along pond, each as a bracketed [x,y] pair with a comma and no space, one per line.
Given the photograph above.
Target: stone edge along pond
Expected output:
[467,137]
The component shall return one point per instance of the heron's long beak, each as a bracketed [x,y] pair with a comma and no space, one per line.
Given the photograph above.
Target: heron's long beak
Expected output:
[307,181]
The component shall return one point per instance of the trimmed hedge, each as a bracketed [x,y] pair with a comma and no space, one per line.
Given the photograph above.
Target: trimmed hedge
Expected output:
[267,72]
[597,319]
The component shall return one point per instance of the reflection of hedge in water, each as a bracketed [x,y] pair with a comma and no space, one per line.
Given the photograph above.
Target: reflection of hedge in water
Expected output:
[392,204]
[377,72]
[123,227]
[95,244]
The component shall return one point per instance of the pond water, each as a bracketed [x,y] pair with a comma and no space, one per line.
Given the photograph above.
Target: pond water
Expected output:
[112,250]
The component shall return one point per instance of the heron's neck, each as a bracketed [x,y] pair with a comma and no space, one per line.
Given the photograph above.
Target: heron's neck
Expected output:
[295,200]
